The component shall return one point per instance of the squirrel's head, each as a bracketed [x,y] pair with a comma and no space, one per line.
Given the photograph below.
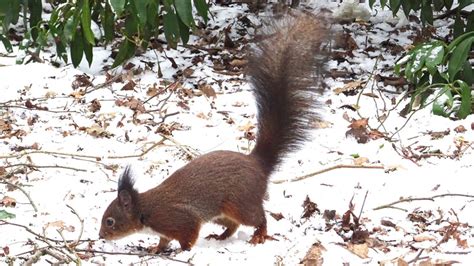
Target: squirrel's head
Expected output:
[122,217]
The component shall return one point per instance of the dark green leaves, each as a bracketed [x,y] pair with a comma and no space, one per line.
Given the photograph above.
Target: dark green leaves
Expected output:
[435,66]
[70,24]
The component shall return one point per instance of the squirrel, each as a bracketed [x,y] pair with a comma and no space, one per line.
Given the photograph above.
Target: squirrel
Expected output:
[226,187]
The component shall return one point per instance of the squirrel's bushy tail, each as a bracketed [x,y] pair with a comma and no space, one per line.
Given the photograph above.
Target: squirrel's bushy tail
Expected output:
[282,74]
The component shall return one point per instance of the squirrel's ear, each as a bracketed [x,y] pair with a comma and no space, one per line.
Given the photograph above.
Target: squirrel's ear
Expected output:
[125,199]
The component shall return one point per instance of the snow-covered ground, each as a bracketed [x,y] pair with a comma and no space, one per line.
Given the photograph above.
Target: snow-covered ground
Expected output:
[65,146]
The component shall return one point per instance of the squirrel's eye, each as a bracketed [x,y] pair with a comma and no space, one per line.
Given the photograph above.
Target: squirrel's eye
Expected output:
[110,221]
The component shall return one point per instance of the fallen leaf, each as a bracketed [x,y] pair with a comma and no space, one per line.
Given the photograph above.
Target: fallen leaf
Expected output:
[361,161]
[423,237]
[309,208]
[81,81]
[460,129]
[277,216]
[207,90]
[95,106]
[349,88]
[8,202]
[314,256]
[130,86]
[361,250]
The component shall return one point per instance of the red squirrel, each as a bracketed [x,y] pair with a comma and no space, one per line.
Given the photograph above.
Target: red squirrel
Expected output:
[226,187]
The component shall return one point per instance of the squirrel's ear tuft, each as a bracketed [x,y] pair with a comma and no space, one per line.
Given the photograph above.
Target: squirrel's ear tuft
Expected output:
[126,180]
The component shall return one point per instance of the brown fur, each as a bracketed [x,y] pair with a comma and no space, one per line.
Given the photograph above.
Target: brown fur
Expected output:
[228,187]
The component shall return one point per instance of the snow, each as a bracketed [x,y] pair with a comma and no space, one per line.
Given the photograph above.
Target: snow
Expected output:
[89,184]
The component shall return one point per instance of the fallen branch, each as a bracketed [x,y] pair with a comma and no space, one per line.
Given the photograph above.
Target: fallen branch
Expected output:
[34,167]
[391,205]
[23,191]
[140,254]
[54,153]
[339,166]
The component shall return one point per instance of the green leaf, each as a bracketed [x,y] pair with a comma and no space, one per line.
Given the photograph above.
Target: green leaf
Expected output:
[183,32]
[6,43]
[371,3]
[383,3]
[108,23]
[118,6]
[131,25]
[427,14]
[86,22]
[435,56]
[88,50]
[448,4]
[406,6]
[459,39]
[468,73]
[465,107]
[458,27]
[203,9]
[142,7]
[77,49]
[170,24]
[36,9]
[6,215]
[127,48]
[441,106]
[394,6]
[464,3]
[438,5]
[459,56]
[184,9]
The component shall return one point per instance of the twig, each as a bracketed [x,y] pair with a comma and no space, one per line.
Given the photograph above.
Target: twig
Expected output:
[339,166]
[191,152]
[45,239]
[32,166]
[390,205]
[54,153]
[23,191]
[141,154]
[416,258]
[132,254]
[363,204]
[75,243]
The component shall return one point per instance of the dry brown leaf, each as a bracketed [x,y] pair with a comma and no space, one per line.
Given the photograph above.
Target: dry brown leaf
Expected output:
[77,94]
[361,250]
[361,161]
[130,86]
[81,81]
[5,126]
[314,256]
[95,106]
[397,262]
[202,116]
[31,105]
[309,208]
[460,129]
[97,131]
[277,216]
[247,127]
[8,202]
[207,90]
[350,87]
[188,72]
[423,237]
[238,62]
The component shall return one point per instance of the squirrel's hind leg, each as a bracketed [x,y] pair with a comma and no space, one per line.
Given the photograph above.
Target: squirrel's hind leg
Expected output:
[230,226]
